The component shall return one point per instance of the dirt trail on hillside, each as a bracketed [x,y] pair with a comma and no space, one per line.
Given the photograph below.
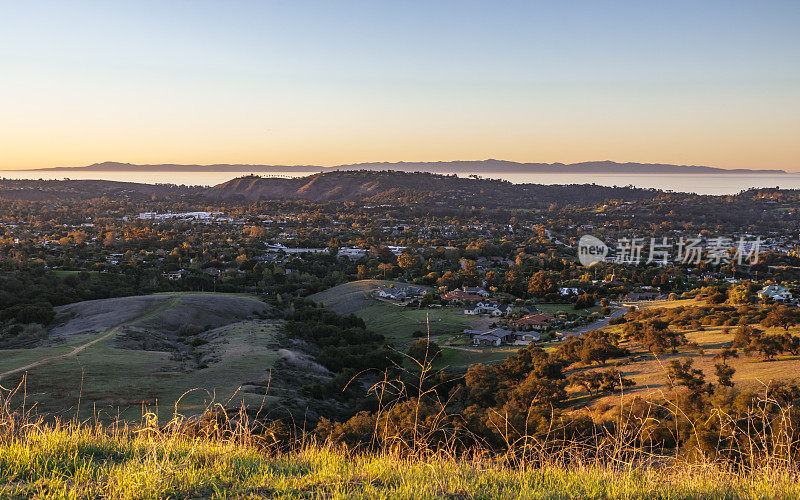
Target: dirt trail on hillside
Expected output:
[75,350]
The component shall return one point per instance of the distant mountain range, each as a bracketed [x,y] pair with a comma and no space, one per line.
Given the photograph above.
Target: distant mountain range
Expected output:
[372,188]
[439,167]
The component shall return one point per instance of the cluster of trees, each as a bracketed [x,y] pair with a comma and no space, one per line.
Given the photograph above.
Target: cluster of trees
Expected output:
[599,381]
[341,343]
[491,405]
[698,316]
[595,346]
[499,406]
[751,339]
[654,335]
[706,421]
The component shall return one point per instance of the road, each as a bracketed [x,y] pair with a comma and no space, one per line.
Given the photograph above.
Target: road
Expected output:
[596,325]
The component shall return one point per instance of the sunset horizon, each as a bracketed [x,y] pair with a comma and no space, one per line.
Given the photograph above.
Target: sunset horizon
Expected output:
[713,84]
[490,249]
[388,162]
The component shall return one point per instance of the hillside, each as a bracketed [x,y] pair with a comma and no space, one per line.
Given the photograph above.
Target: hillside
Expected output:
[372,186]
[391,186]
[38,190]
[349,298]
[123,353]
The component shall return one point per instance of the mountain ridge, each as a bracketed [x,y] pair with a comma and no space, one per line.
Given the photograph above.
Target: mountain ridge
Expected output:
[392,186]
[456,166]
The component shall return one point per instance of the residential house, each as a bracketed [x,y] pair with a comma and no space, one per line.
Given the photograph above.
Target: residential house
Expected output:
[175,275]
[537,322]
[489,307]
[475,290]
[499,336]
[526,338]
[638,296]
[353,253]
[462,297]
[776,293]
[493,337]
[401,293]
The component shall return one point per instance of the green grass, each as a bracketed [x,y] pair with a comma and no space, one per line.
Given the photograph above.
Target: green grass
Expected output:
[456,358]
[115,379]
[73,463]
[61,273]
[399,323]
[566,308]
[352,297]
[11,359]
[222,294]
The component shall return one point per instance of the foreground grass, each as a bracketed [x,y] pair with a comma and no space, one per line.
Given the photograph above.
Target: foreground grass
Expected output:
[86,463]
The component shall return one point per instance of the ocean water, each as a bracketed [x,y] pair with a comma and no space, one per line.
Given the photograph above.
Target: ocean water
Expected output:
[693,183]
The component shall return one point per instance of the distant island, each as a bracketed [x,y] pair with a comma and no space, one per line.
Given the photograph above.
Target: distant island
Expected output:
[440,167]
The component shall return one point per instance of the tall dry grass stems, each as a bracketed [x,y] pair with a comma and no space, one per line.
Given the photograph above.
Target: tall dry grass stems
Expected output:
[615,461]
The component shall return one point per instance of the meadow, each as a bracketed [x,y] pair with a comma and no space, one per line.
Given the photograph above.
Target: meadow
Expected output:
[192,459]
[115,356]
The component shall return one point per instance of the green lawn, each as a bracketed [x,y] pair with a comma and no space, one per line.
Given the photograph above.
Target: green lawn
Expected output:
[567,308]
[459,359]
[399,323]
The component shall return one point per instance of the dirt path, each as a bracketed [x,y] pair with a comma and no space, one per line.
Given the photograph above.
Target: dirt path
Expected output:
[75,350]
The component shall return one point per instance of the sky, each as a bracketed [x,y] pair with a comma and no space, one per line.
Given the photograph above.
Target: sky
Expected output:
[333,82]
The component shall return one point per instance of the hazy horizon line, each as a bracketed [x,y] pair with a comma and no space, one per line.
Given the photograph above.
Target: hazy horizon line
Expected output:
[388,162]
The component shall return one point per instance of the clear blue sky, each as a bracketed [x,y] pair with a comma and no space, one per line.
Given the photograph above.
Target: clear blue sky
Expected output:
[700,82]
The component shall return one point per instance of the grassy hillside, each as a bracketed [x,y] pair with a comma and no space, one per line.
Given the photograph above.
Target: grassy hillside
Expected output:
[122,354]
[385,186]
[398,324]
[649,370]
[69,462]
[350,297]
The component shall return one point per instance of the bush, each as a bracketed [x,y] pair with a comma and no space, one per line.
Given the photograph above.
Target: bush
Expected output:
[189,330]
[40,312]
[584,301]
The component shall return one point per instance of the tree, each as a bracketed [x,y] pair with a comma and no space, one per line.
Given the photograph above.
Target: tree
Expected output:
[684,374]
[600,381]
[782,316]
[654,335]
[584,301]
[744,334]
[769,346]
[741,293]
[726,353]
[406,261]
[423,351]
[593,346]
[724,374]
[542,283]
[383,267]
[482,384]
[600,350]
[790,343]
